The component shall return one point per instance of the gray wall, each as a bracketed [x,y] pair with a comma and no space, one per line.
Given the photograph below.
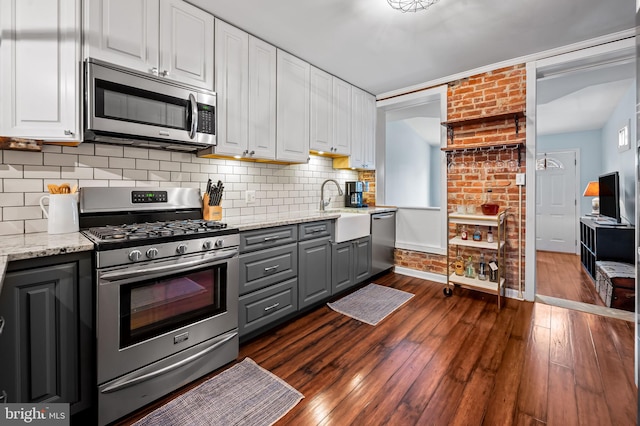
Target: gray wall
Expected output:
[623,162]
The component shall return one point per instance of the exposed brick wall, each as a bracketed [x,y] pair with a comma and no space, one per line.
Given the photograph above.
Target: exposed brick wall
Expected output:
[369,197]
[495,92]
[499,91]
[426,262]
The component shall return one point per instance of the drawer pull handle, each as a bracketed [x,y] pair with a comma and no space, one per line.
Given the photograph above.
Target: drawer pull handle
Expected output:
[313,231]
[271,238]
[271,268]
[268,308]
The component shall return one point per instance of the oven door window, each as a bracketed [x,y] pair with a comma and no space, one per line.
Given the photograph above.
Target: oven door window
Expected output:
[154,307]
[130,104]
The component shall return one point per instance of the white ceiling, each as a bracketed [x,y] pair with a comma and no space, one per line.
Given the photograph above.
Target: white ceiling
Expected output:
[372,46]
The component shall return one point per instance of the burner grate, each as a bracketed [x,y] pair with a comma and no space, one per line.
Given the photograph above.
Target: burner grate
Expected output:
[141,231]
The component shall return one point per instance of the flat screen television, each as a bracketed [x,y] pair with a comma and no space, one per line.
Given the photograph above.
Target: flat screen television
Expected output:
[610,196]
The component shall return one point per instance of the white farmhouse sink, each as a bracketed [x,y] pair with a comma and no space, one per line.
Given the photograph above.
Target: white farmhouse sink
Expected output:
[352,225]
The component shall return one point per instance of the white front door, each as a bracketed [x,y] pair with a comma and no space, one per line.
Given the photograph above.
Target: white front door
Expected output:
[556,203]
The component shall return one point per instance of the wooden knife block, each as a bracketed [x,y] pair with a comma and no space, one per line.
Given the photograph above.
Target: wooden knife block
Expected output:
[210,212]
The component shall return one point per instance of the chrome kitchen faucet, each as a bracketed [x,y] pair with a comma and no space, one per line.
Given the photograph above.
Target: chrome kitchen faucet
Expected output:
[323,203]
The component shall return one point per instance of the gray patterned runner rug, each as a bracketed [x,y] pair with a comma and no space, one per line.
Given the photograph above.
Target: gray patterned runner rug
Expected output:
[245,394]
[371,304]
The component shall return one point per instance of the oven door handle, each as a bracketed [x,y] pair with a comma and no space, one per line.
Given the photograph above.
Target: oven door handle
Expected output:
[148,373]
[123,275]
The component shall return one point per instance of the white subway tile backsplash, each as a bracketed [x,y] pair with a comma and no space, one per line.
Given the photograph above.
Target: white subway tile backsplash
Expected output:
[181,157]
[57,149]
[24,176]
[107,174]
[11,227]
[8,171]
[35,225]
[22,213]
[169,166]
[51,159]
[14,199]
[122,163]
[92,161]
[23,185]
[208,168]
[33,198]
[158,175]
[83,183]
[180,177]
[149,165]
[159,155]
[42,172]
[77,173]
[132,152]
[23,157]
[132,174]
[109,150]
[82,149]
[190,167]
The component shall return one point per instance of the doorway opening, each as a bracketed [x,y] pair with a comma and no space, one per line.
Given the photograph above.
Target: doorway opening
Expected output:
[581,104]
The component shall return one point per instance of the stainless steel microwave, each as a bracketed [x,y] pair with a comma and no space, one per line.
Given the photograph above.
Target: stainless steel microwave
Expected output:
[130,108]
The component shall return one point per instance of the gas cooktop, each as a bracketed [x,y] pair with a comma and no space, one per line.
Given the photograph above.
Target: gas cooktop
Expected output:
[128,235]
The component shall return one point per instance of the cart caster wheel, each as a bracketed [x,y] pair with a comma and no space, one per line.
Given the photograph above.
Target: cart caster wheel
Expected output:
[447,292]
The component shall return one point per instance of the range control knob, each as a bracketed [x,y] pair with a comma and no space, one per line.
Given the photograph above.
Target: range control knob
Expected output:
[182,249]
[152,252]
[219,243]
[207,245]
[135,255]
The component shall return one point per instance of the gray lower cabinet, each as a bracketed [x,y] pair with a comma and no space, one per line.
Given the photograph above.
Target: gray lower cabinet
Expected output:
[261,308]
[268,277]
[46,342]
[314,278]
[351,263]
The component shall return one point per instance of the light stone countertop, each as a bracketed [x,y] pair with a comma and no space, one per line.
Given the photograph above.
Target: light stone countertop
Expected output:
[247,223]
[29,246]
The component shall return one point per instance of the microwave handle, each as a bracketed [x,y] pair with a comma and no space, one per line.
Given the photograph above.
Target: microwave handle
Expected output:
[194,116]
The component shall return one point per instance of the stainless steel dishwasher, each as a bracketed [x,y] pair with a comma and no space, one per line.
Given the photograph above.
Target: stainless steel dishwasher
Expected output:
[383,240]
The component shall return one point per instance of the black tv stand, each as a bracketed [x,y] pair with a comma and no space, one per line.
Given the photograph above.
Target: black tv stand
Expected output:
[610,241]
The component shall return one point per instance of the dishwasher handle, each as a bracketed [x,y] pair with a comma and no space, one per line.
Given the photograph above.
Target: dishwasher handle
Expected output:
[383,216]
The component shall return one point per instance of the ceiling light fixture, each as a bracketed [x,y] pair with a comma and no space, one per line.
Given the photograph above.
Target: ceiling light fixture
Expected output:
[411,5]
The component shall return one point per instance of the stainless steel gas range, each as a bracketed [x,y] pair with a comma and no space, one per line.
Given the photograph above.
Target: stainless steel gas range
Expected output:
[167,293]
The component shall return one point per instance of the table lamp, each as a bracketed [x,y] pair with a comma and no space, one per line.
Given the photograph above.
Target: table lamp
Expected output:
[593,190]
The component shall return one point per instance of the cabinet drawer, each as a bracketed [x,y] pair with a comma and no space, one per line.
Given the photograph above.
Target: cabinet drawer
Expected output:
[264,306]
[265,238]
[266,267]
[307,231]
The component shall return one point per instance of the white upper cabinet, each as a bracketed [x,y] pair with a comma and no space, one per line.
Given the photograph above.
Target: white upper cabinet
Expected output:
[292,109]
[262,99]
[246,92]
[186,43]
[369,124]
[168,38]
[232,87]
[341,117]
[330,114]
[363,122]
[40,69]
[321,111]
[123,32]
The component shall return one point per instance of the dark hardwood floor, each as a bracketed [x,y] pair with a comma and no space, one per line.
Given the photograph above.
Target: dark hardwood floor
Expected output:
[457,360]
[561,275]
